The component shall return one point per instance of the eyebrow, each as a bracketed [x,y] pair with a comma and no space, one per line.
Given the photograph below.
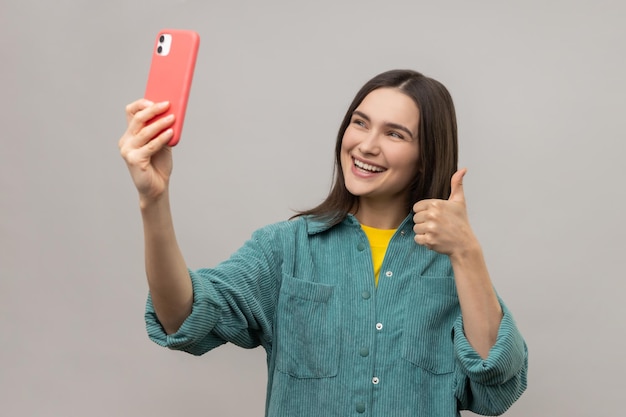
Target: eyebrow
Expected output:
[391,125]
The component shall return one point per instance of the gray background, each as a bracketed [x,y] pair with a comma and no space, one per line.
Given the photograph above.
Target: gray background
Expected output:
[540,97]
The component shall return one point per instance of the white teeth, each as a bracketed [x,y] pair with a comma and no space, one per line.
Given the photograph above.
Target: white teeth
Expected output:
[367,167]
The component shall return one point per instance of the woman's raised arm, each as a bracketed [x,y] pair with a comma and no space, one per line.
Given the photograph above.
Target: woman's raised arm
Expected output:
[144,148]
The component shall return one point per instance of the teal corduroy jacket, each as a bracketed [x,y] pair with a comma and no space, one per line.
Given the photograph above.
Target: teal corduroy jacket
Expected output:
[336,344]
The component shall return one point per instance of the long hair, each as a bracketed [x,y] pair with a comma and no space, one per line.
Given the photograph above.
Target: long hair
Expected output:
[437,137]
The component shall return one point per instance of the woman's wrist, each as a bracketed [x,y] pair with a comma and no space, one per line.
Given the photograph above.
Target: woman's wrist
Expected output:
[150,202]
[468,252]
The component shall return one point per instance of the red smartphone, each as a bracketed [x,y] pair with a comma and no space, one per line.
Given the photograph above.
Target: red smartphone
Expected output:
[171,73]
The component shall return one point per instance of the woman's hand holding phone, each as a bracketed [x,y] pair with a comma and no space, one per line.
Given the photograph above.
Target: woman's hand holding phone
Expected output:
[157,119]
[144,148]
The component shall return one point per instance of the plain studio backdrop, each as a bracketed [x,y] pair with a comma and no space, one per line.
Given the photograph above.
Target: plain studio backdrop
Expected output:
[540,97]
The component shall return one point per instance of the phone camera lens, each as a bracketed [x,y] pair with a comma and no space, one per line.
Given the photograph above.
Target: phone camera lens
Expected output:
[160,49]
[162,39]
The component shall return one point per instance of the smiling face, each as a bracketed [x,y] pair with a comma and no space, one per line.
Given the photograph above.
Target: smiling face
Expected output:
[379,150]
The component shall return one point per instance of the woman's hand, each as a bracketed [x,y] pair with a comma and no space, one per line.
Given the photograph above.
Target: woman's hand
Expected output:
[443,225]
[144,148]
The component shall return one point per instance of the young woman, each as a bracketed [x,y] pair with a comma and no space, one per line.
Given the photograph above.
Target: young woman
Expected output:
[377,302]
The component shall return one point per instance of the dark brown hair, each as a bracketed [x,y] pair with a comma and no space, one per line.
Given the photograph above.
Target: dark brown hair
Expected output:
[437,136]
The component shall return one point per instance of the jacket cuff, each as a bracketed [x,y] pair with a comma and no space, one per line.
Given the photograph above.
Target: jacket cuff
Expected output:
[204,315]
[506,357]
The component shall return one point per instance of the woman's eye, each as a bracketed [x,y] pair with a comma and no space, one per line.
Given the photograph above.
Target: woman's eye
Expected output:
[396,135]
[359,122]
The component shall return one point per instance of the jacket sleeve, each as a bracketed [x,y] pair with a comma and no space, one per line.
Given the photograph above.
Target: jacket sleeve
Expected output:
[233,302]
[490,386]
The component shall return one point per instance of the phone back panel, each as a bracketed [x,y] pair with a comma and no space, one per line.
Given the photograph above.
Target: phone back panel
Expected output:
[171,74]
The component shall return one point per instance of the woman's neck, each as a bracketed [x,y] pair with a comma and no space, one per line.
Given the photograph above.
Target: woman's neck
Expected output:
[380,215]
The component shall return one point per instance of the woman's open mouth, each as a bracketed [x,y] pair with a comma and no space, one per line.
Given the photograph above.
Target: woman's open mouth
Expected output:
[367,167]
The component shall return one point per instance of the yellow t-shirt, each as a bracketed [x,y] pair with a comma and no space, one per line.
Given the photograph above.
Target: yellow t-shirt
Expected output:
[379,240]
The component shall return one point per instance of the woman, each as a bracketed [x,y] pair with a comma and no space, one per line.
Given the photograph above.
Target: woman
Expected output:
[377,302]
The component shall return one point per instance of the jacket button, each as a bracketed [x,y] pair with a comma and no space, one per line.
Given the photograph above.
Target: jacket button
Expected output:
[360,408]
[364,352]
[361,246]
[366,295]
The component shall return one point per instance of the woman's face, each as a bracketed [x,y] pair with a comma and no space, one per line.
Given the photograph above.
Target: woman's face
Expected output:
[379,151]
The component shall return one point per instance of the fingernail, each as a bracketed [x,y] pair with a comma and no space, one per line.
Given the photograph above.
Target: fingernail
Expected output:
[164,103]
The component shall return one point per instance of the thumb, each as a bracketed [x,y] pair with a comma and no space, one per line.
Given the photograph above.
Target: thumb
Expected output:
[456,186]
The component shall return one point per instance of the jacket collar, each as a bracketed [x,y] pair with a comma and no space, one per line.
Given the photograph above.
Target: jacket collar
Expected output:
[315,225]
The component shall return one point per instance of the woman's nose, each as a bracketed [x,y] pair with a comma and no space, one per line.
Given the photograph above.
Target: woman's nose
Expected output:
[369,143]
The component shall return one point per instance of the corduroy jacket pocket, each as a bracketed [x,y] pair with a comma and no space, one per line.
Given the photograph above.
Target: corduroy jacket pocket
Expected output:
[307,329]
[428,323]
